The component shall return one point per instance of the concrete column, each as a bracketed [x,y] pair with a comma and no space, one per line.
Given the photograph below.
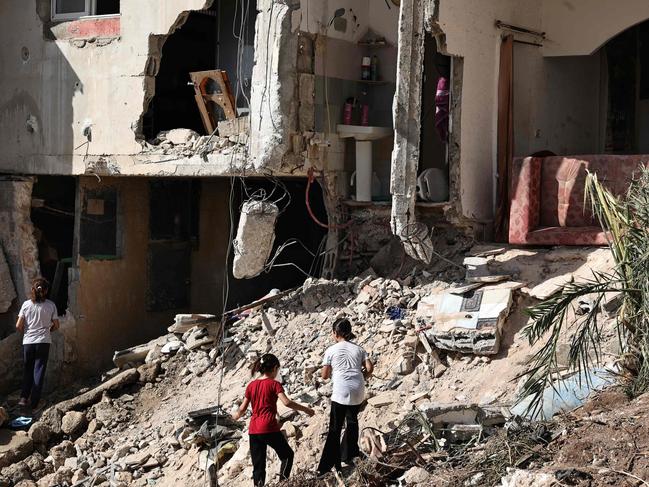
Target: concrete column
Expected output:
[273,105]
[407,114]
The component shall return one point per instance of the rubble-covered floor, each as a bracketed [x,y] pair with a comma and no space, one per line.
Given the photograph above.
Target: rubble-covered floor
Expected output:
[137,432]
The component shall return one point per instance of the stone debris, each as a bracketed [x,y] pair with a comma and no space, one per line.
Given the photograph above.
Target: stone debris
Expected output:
[14,446]
[141,427]
[523,478]
[178,136]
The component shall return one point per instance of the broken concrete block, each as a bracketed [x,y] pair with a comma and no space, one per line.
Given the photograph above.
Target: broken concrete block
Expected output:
[172,347]
[185,322]
[468,323]
[265,320]
[180,136]
[551,286]
[290,429]
[40,433]
[73,423]
[384,399]
[235,126]
[197,337]
[14,446]
[149,372]
[255,238]
[416,476]
[7,288]
[524,478]
[460,433]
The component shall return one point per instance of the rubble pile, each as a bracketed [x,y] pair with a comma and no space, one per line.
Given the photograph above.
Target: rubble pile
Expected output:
[183,142]
[161,416]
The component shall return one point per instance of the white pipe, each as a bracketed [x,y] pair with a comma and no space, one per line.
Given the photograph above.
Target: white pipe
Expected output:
[363,170]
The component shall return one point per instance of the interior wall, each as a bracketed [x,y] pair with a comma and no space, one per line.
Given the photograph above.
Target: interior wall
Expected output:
[111,294]
[470,33]
[580,27]
[205,41]
[433,148]
[337,67]
[558,105]
[209,258]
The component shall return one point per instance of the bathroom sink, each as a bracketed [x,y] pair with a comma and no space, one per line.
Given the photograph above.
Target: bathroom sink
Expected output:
[363,136]
[363,132]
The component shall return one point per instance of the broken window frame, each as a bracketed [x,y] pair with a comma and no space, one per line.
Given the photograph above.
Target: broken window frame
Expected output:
[90,8]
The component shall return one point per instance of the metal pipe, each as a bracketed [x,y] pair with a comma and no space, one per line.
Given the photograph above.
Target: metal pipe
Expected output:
[522,30]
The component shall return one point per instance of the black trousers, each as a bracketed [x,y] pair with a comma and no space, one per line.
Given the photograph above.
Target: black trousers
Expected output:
[258,444]
[335,450]
[35,358]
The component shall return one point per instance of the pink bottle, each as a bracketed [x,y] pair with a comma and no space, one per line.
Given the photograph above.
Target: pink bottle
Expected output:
[348,111]
[365,115]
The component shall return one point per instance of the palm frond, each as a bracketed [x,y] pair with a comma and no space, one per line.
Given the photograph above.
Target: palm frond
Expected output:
[626,221]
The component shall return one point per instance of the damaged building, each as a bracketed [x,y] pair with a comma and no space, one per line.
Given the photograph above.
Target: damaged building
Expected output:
[132,134]
[166,160]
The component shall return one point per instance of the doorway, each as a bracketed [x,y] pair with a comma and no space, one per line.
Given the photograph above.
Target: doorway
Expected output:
[52,213]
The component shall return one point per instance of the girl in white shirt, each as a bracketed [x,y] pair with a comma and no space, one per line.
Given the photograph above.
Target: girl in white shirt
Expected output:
[36,320]
[348,365]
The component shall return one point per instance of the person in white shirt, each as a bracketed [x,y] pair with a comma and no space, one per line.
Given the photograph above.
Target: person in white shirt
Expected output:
[37,319]
[348,365]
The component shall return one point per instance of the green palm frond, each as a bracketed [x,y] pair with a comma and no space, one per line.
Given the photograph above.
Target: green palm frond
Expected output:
[626,221]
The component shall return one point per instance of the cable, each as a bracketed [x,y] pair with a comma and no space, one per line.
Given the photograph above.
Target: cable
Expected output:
[310,178]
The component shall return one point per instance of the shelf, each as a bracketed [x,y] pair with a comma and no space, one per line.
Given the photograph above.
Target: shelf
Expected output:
[373,82]
[374,44]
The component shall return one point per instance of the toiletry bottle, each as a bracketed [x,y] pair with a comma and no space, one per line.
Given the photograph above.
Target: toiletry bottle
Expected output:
[366,68]
[374,69]
[348,111]
[365,111]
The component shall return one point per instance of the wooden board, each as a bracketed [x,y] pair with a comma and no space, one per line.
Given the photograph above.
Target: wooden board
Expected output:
[213,87]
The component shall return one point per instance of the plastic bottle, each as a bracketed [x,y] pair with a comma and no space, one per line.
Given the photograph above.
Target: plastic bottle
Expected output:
[348,111]
[374,68]
[365,111]
[366,68]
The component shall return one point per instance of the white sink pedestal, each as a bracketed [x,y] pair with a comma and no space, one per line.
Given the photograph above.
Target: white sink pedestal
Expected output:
[364,136]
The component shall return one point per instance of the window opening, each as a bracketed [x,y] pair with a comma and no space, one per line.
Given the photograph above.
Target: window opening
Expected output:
[99,224]
[74,9]
[53,209]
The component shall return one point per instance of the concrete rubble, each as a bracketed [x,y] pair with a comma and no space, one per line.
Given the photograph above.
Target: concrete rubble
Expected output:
[255,237]
[183,142]
[155,418]
[470,322]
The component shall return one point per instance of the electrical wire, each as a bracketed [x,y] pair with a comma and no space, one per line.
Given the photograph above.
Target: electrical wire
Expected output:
[310,179]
